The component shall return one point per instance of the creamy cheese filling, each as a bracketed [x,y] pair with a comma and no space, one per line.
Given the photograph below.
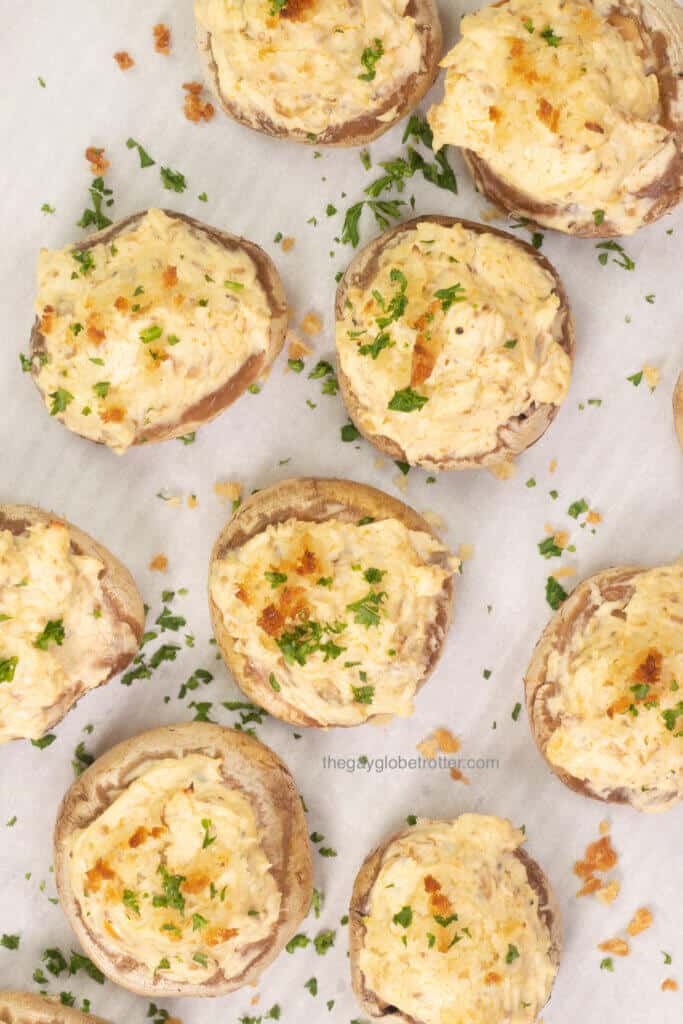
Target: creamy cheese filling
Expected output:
[453,934]
[338,617]
[315,65]
[451,338]
[173,873]
[556,99]
[140,329]
[620,692]
[59,634]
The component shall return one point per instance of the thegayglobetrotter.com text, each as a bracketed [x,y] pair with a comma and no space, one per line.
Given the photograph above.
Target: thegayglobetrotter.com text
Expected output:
[401,763]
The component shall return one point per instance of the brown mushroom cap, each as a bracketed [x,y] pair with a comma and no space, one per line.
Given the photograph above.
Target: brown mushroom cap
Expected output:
[660,29]
[362,129]
[370,1002]
[572,617]
[207,408]
[118,587]
[248,766]
[28,1008]
[520,432]
[316,500]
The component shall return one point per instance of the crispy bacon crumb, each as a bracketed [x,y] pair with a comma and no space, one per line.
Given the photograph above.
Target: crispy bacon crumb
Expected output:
[123,305]
[608,893]
[113,415]
[197,109]
[297,348]
[287,244]
[311,325]
[96,159]
[618,947]
[159,563]
[669,985]
[640,922]
[162,39]
[100,873]
[124,60]
[431,884]
[170,277]
[600,857]
[47,321]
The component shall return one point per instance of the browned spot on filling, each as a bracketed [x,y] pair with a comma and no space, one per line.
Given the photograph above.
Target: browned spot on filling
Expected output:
[195,883]
[440,904]
[650,669]
[47,320]
[492,978]
[214,936]
[423,362]
[123,305]
[141,835]
[94,331]
[114,415]
[110,930]
[494,114]
[291,603]
[592,126]
[242,594]
[298,10]
[100,873]
[549,115]
[170,277]
[431,884]
[307,564]
[270,620]
[627,28]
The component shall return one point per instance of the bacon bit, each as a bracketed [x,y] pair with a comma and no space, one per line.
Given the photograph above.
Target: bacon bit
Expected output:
[650,670]
[96,159]
[162,39]
[110,930]
[214,936]
[593,518]
[270,620]
[242,595]
[287,244]
[592,885]
[494,114]
[311,325]
[138,838]
[599,856]
[669,985]
[448,744]
[458,776]
[548,114]
[431,884]
[192,501]
[194,884]
[516,48]
[114,415]
[440,904]
[297,348]
[429,748]
[47,321]
[196,109]
[423,362]
[608,893]
[124,60]
[231,490]
[619,947]
[123,305]
[620,706]
[159,563]
[100,873]
[492,978]
[170,277]
[553,466]
[640,922]
[308,564]
[593,127]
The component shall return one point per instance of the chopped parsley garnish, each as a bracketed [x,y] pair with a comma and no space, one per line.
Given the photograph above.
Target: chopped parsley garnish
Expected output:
[276,6]
[296,365]
[145,158]
[85,261]
[635,378]
[367,609]
[100,196]
[60,399]
[374,575]
[299,941]
[46,208]
[151,333]
[445,921]
[82,759]
[201,958]
[7,669]
[172,896]
[577,508]
[132,901]
[169,621]
[10,941]
[274,685]
[312,986]
[323,941]
[382,341]
[516,711]
[369,58]
[528,25]
[555,593]
[44,741]
[621,259]
[174,181]
[307,638]
[549,549]
[607,964]
[671,716]
[198,922]
[407,400]
[511,343]
[404,917]
[363,694]
[233,286]
[188,438]
[101,389]
[450,295]
[512,954]
[52,634]
[599,216]
[550,37]
[207,840]
[349,432]
[276,579]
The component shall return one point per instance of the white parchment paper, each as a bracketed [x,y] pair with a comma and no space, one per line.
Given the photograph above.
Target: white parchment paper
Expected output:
[621,456]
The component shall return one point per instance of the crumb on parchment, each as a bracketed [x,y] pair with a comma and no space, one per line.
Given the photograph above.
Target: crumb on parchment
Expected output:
[96,158]
[159,563]
[162,39]
[124,60]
